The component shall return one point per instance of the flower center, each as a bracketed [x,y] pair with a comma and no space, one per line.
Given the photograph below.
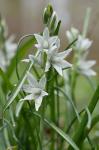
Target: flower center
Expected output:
[37,93]
[45,45]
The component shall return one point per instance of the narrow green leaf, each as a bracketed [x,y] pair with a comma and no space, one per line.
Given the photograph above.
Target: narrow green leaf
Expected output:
[69,46]
[18,87]
[19,107]
[22,51]
[60,132]
[86,22]
[71,101]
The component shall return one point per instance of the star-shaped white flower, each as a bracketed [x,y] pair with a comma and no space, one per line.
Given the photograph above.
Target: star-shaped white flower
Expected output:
[83,44]
[35,90]
[45,41]
[57,61]
[85,67]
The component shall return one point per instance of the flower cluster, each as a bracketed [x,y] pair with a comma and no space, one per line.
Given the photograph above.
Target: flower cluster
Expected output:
[81,50]
[48,45]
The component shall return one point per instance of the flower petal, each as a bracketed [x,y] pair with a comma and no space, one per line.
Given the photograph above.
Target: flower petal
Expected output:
[25,60]
[38,102]
[28,97]
[86,64]
[69,36]
[89,72]
[27,88]
[64,53]
[54,40]
[44,93]
[65,64]
[39,38]
[58,69]
[46,34]
[48,65]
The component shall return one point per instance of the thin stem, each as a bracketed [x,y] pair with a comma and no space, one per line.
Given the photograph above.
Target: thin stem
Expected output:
[70,44]
[7,138]
[58,102]
[71,101]
[58,108]
[38,136]
[86,22]
[73,85]
[51,99]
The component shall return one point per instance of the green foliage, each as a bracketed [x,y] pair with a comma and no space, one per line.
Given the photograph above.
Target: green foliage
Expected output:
[61,123]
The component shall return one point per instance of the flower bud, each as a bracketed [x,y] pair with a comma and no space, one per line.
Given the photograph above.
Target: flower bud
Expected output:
[54,21]
[47,14]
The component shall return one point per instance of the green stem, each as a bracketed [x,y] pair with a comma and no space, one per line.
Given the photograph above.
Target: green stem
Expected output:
[73,85]
[58,102]
[37,133]
[58,109]
[7,138]
[51,98]
[71,101]
[86,22]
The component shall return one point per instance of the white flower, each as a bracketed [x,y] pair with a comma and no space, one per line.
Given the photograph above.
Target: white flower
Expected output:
[83,44]
[10,47]
[10,50]
[56,60]
[45,42]
[35,90]
[72,34]
[84,67]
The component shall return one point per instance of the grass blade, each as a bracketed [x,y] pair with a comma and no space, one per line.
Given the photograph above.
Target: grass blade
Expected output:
[60,132]
[22,51]
[18,87]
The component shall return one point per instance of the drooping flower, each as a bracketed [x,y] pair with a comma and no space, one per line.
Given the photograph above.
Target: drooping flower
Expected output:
[85,67]
[57,60]
[35,90]
[45,41]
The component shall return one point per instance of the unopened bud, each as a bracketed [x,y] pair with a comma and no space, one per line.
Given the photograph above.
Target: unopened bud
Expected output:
[47,13]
